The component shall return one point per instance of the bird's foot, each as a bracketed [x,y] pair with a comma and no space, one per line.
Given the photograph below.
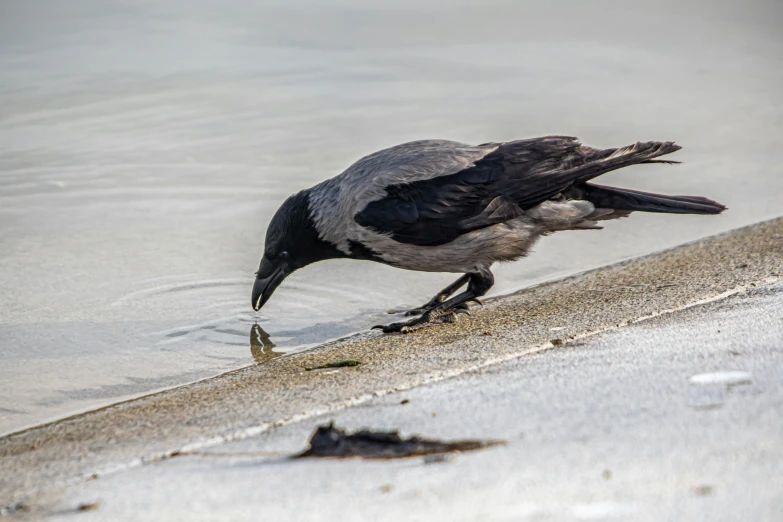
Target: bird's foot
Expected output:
[437,300]
[423,309]
[430,316]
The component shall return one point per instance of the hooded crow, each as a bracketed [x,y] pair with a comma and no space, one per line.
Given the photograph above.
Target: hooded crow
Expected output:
[443,206]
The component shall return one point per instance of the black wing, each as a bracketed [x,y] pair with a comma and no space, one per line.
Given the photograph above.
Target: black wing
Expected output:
[499,187]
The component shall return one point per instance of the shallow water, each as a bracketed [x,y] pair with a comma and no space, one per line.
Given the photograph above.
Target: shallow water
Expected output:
[144,146]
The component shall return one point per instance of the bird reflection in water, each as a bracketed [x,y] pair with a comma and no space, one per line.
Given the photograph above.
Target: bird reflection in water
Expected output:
[261,345]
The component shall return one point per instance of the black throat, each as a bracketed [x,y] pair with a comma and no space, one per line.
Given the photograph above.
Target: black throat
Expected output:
[294,229]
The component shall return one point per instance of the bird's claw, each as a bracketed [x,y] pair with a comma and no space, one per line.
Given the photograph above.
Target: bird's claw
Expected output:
[402,328]
[448,318]
[431,306]
[423,309]
[430,316]
[452,315]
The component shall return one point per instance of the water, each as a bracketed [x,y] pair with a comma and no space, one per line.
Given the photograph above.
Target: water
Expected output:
[145,145]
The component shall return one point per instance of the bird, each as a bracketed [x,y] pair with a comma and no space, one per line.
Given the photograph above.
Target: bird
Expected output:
[444,206]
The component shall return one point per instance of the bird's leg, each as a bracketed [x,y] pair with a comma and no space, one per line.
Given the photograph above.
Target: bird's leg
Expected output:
[479,284]
[439,297]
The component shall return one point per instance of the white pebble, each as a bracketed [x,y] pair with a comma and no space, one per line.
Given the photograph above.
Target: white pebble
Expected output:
[727,378]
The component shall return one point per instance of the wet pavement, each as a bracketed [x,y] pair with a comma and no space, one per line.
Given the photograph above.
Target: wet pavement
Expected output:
[144,146]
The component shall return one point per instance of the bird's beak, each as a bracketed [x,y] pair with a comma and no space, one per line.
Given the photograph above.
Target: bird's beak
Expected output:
[268,278]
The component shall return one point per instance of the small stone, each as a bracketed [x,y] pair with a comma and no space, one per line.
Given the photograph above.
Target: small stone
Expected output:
[607,474]
[732,378]
[404,401]
[556,342]
[703,489]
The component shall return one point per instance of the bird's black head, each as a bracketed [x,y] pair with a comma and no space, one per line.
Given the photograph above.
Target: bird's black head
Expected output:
[292,242]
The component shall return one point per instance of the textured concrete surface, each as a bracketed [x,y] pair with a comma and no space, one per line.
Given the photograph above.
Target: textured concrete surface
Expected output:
[42,464]
[675,418]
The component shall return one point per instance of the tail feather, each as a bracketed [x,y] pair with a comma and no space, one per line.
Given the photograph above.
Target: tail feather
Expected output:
[600,162]
[667,162]
[635,200]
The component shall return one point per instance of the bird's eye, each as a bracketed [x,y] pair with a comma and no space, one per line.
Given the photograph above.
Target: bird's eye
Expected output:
[283,255]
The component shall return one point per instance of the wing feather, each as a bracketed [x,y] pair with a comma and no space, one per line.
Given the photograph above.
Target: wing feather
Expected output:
[498,187]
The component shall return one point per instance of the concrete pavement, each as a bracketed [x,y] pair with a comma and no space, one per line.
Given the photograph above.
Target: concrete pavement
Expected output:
[675,418]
